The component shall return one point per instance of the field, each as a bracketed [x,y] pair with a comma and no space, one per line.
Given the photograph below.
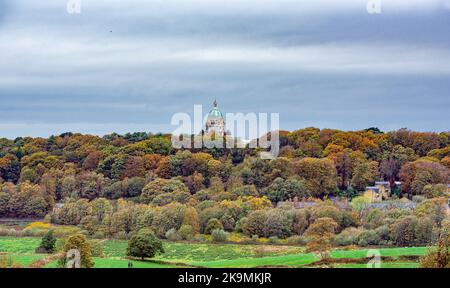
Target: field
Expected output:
[21,251]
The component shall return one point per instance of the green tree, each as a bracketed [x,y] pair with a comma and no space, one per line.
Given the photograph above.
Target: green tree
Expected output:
[48,241]
[360,203]
[212,225]
[144,245]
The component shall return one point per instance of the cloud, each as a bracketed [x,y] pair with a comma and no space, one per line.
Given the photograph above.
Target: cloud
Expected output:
[126,64]
[84,64]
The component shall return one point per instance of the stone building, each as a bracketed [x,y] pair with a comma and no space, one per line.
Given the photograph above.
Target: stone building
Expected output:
[215,123]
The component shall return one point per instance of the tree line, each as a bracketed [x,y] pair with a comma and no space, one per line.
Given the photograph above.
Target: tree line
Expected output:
[117,185]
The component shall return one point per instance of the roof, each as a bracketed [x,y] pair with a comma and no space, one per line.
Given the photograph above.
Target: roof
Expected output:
[215,112]
[306,204]
[383,183]
[392,205]
[338,202]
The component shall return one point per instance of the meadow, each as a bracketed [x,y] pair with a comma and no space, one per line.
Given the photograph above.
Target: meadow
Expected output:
[21,250]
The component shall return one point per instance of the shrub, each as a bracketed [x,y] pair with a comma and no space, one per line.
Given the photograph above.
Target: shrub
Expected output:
[238,238]
[254,223]
[369,237]
[403,231]
[219,235]
[297,240]
[432,208]
[373,219]
[260,252]
[186,232]
[360,203]
[39,225]
[438,257]
[278,224]
[418,198]
[48,242]
[213,224]
[383,233]
[424,231]
[446,228]
[301,221]
[273,240]
[320,235]
[436,190]
[59,245]
[198,238]
[6,261]
[122,235]
[99,235]
[172,235]
[349,236]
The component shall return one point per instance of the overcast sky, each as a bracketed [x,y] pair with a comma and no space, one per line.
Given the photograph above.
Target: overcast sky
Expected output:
[125,66]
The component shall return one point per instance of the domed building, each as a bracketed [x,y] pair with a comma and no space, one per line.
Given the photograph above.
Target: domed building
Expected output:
[215,123]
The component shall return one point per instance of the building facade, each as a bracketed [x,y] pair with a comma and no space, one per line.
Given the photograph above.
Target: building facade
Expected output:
[215,123]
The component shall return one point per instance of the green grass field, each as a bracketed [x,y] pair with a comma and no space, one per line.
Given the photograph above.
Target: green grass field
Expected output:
[21,251]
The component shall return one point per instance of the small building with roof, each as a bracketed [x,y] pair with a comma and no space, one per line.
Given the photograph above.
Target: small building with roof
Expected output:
[380,191]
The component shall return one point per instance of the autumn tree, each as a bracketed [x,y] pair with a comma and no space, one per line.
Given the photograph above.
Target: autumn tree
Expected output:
[80,243]
[416,175]
[393,160]
[254,223]
[438,257]
[133,167]
[319,174]
[191,219]
[364,174]
[92,160]
[320,235]
[164,188]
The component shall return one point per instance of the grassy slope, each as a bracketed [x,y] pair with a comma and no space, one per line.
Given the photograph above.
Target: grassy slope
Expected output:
[209,255]
[118,263]
[383,265]
[284,261]
[25,245]
[392,252]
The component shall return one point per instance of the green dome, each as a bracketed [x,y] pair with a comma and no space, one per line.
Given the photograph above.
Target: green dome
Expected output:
[215,112]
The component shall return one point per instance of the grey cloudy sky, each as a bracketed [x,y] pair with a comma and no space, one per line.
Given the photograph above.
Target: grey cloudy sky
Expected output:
[125,66]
